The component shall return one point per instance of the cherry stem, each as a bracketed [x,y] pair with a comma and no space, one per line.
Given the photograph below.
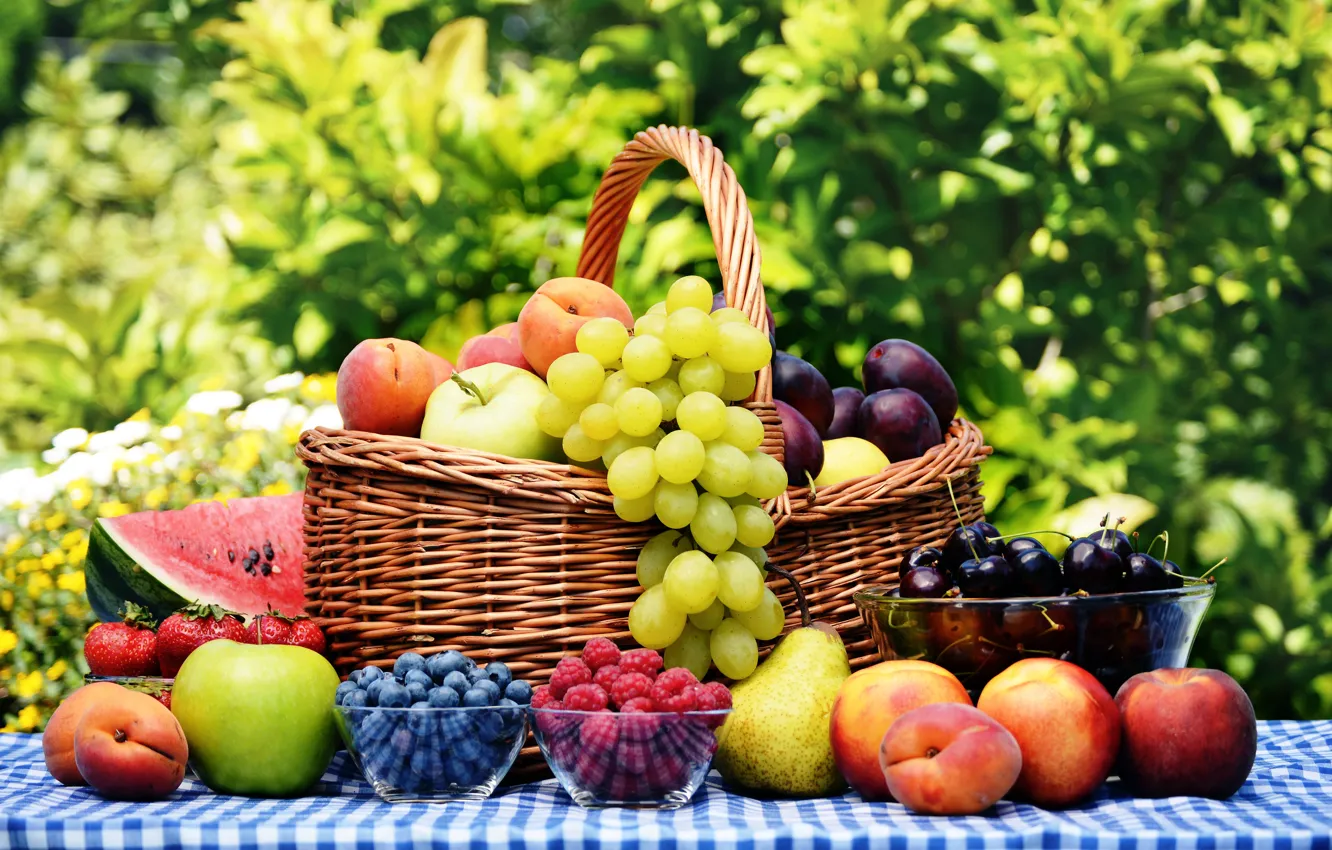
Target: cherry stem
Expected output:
[801,602]
[1025,533]
[468,387]
[1165,535]
[1213,567]
[960,523]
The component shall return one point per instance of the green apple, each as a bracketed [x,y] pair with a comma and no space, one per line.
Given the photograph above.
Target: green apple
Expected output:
[849,457]
[258,719]
[491,408]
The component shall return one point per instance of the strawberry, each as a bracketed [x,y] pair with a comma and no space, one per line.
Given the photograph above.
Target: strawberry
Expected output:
[192,627]
[127,648]
[269,628]
[306,632]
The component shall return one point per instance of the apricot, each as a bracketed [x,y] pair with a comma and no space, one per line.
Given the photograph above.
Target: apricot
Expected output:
[383,387]
[130,748]
[870,701]
[949,759]
[480,350]
[1065,722]
[58,739]
[549,322]
[1187,733]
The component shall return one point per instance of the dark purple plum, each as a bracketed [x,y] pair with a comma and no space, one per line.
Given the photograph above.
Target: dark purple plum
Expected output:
[897,363]
[1091,567]
[899,422]
[1036,572]
[924,583]
[987,578]
[846,403]
[803,387]
[801,446]
[719,301]
[923,556]
[964,544]
[1114,540]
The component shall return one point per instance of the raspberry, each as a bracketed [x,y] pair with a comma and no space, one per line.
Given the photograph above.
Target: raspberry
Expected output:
[606,676]
[721,693]
[586,697]
[600,652]
[542,697]
[645,661]
[704,698]
[569,672]
[638,704]
[599,733]
[629,686]
[674,690]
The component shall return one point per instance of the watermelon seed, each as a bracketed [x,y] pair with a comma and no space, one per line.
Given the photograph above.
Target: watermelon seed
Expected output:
[268,550]
[254,556]
[267,568]
[249,568]
[231,555]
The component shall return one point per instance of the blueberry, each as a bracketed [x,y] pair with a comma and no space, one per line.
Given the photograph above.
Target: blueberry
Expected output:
[477,697]
[456,771]
[421,722]
[458,681]
[498,753]
[376,729]
[489,725]
[406,663]
[376,687]
[444,663]
[493,690]
[369,675]
[498,672]
[417,692]
[355,676]
[356,699]
[455,726]
[393,695]
[519,691]
[420,676]
[476,674]
[344,688]
[428,764]
[443,698]
[468,748]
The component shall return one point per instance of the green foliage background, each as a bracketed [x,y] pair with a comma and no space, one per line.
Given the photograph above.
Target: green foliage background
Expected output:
[1107,219]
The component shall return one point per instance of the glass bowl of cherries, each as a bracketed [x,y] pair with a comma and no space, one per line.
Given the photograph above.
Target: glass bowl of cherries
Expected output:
[983,601]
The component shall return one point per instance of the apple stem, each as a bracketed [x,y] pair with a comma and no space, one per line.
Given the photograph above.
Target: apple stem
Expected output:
[469,387]
[801,602]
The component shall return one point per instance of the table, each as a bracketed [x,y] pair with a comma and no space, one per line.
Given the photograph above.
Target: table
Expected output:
[1287,803]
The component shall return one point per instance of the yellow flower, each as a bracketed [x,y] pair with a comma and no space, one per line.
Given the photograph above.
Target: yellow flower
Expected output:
[56,521]
[321,387]
[27,565]
[52,559]
[73,582]
[79,553]
[28,718]
[39,583]
[80,494]
[6,600]
[106,510]
[13,544]
[28,685]
[57,670]
[8,728]
[154,498]
[216,382]
[243,454]
[72,539]
[277,488]
[142,415]
[8,640]
[185,475]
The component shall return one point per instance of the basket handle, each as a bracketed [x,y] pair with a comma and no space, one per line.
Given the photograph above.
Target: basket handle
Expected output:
[724,203]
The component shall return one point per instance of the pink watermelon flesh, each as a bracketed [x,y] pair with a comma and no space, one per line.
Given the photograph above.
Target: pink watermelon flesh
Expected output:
[244,554]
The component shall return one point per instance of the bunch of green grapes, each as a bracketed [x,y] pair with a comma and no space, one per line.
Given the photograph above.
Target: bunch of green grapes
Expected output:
[656,408]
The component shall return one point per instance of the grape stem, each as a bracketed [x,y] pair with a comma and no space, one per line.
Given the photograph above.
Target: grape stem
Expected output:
[469,387]
[801,602]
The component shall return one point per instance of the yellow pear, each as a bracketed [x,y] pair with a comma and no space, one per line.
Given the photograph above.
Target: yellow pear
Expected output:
[849,457]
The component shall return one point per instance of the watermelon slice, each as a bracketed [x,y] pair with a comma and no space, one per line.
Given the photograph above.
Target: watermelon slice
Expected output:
[244,555]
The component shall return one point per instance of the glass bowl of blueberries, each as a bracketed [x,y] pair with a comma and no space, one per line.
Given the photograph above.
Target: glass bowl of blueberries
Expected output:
[983,601]
[433,729]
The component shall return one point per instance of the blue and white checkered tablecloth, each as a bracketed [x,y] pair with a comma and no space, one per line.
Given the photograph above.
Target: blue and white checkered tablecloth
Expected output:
[1287,803]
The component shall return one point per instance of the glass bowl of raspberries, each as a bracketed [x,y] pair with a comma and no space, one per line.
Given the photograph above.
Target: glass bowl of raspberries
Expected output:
[618,731]
[433,729]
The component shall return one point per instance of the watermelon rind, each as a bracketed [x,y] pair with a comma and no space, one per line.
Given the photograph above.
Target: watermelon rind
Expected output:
[114,577]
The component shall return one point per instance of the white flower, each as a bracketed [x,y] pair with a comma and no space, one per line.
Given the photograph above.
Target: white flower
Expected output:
[172,433]
[213,402]
[129,433]
[283,383]
[297,414]
[55,455]
[20,488]
[266,414]
[70,439]
[323,416]
[101,441]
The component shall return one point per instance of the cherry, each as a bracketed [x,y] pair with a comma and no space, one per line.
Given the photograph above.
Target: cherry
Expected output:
[1174,578]
[964,544]
[990,577]
[1144,573]
[1036,572]
[1090,567]
[1018,545]
[924,582]
[991,535]
[1112,539]
[923,556]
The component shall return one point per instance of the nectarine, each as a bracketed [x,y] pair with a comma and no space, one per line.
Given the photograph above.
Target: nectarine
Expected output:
[383,387]
[480,350]
[549,322]
[870,701]
[58,739]
[949,759]
[1186,732]
[131,748]
[1065,722]
[440,368]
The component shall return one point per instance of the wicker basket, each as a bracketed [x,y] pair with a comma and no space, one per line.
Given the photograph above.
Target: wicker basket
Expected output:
[414,546]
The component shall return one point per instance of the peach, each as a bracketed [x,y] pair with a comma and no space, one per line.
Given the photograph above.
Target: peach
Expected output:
[131,748]
[949,759]
[549,322]
[1064,720]
[440,369]
[58,739]
[870,701]
[480,350]
[1187,732]
[383,387]
[506,330]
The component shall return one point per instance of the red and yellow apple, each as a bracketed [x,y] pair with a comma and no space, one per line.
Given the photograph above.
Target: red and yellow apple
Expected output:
[549,322]
[1065,722]
[130,747]
[1186,732]
[383,387]
[949,759]
[497,346]
[870,701]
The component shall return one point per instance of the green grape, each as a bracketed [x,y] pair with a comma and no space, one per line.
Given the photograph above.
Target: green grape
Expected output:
[680,457]
[674,372]
[555,415]
[692,291]
[641,509]
[709,617]
[621,443]
[598,421]
[725,469]
[753,526]
[646,358]
[743,499]
[657,554]
[702,414]
[739,348]
[713,527]
[767,476]
[702,375]
[653,623]
[738,386]
[691,651]
[753,553]
[729,314]
[651,324]
[658,309]
[676,504]
[734,650]
[744,429]
[576,377]
[765,621]
[579,446]
[638,411]
[634,474]
[603,338]
[616,385]
[691,582]
[741,583]
[689,332]
[669,394]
